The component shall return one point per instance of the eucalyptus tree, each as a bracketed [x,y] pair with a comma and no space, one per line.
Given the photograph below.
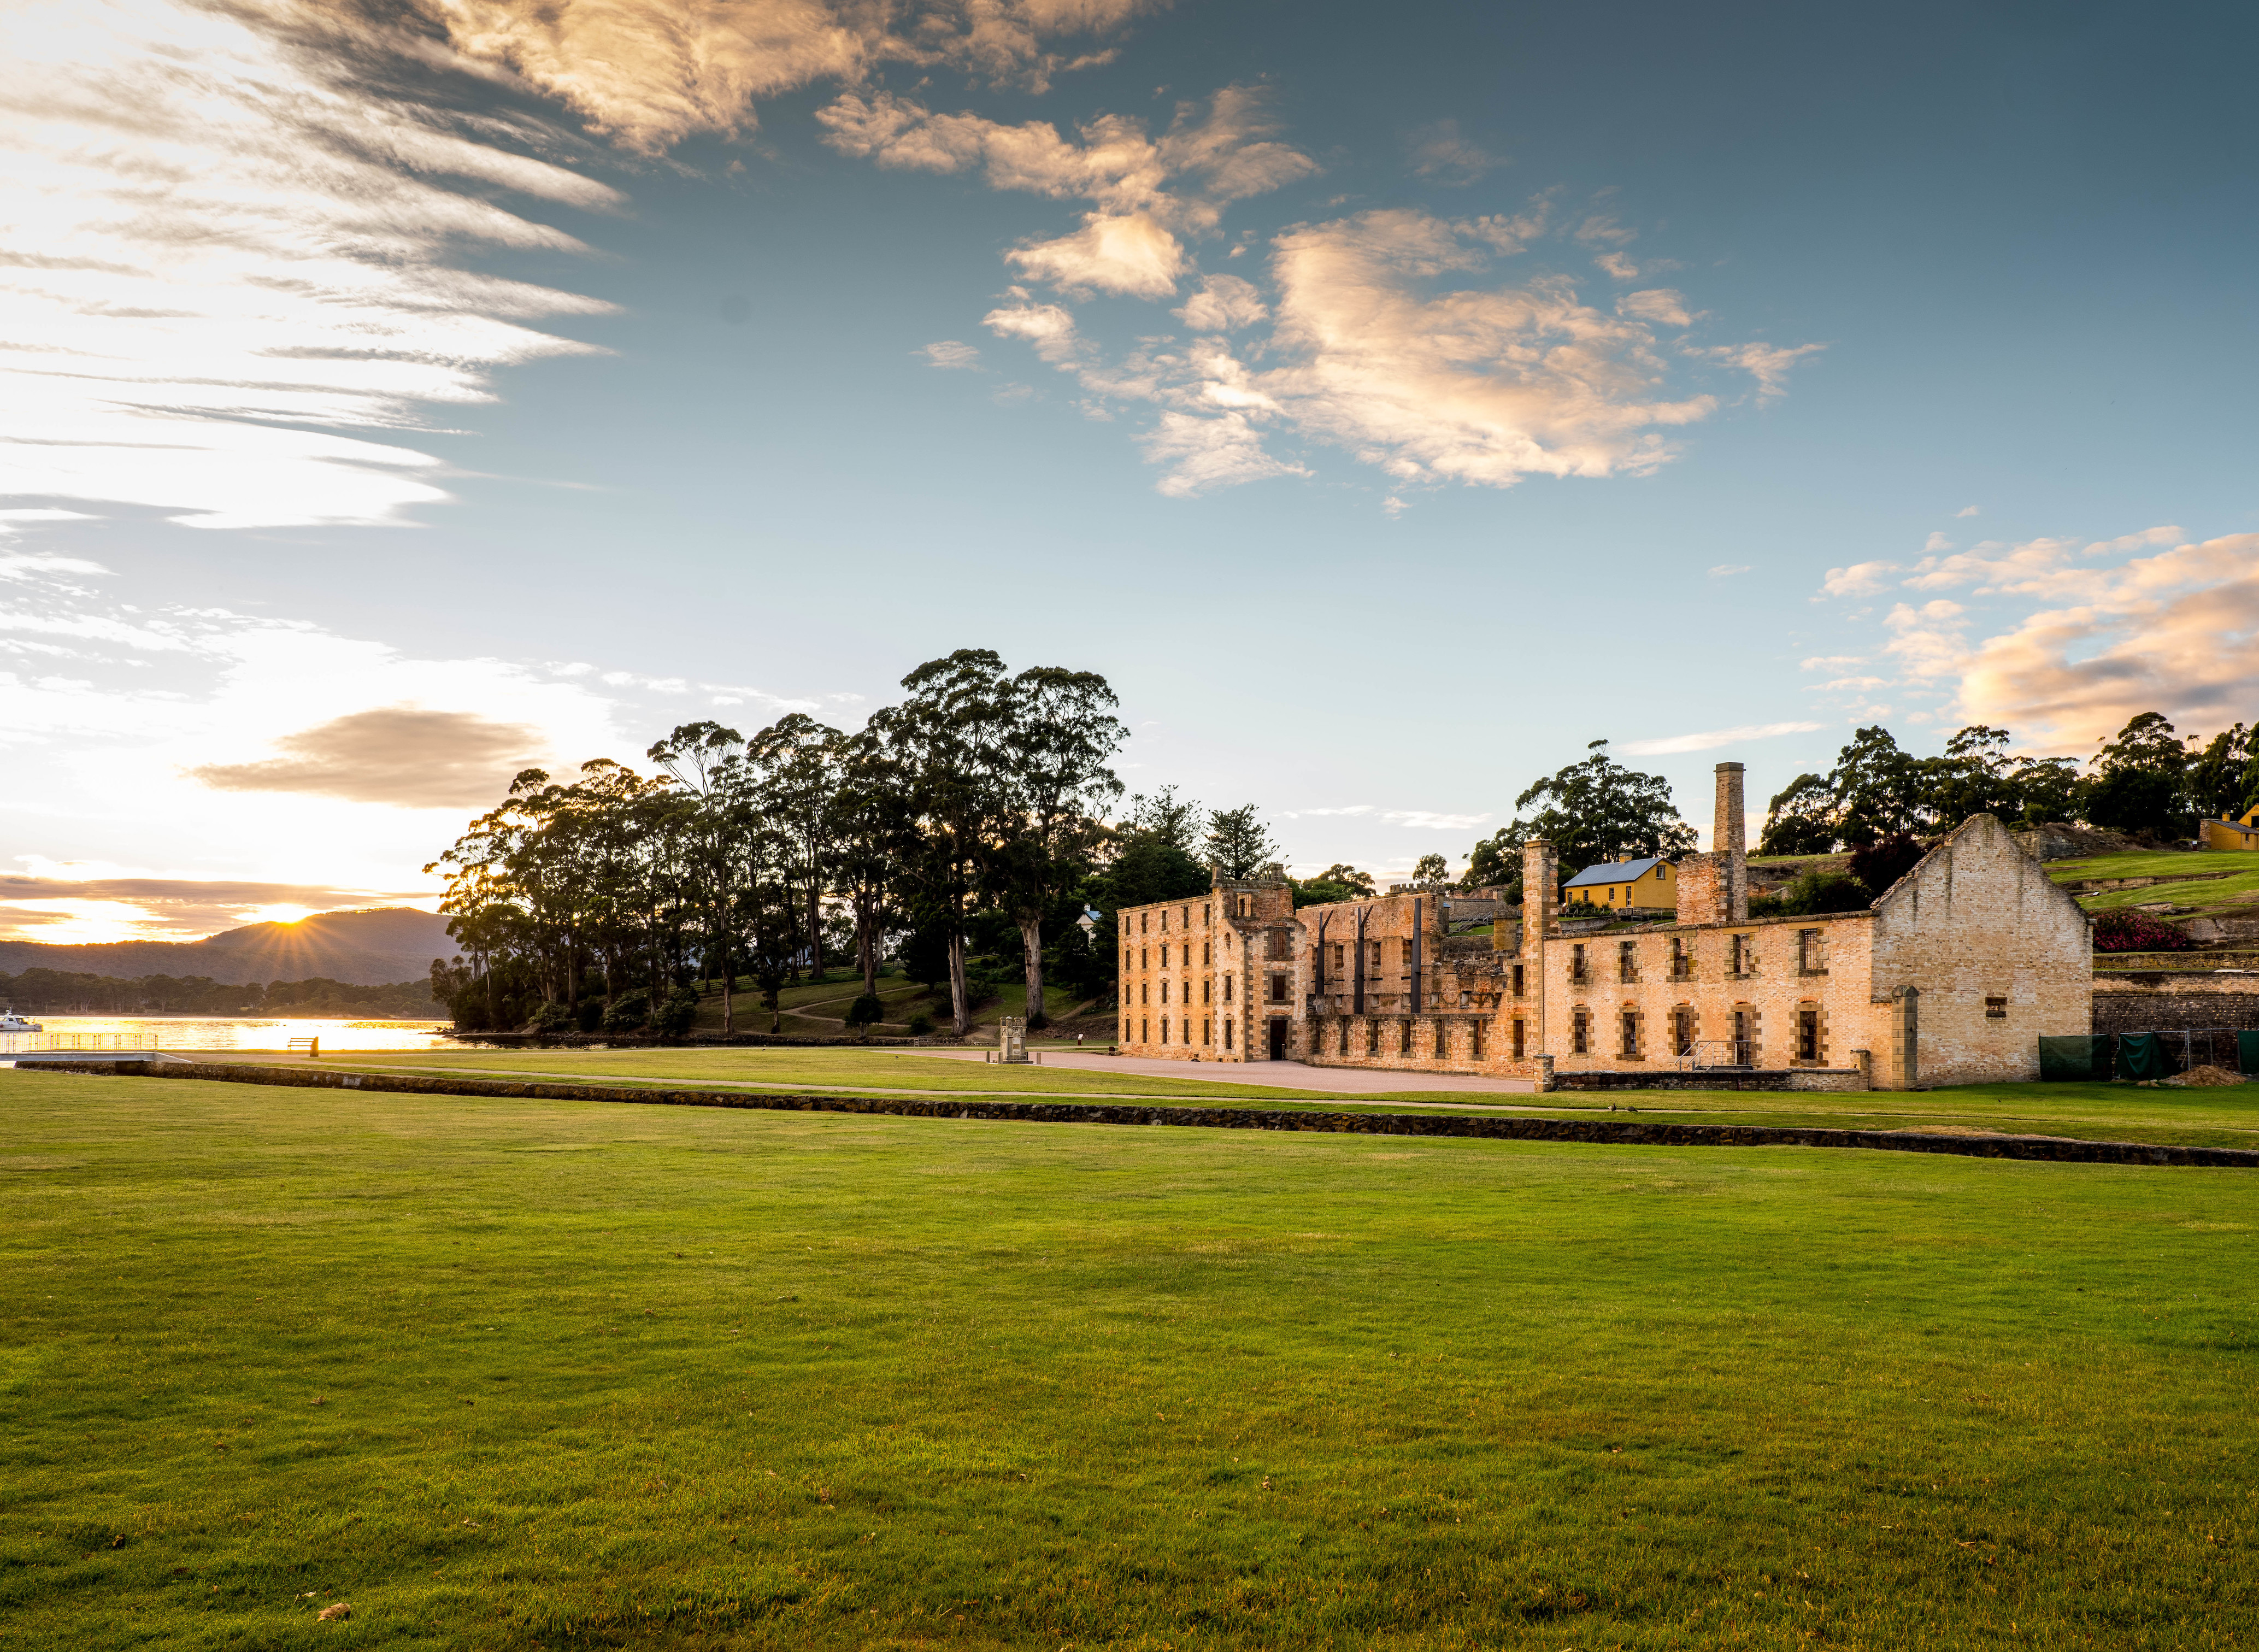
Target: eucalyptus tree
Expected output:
[1059,735]
[871,846]
[948,745]
[709,762]
[797,764]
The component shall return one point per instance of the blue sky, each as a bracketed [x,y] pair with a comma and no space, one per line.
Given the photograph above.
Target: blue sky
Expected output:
[1387,403]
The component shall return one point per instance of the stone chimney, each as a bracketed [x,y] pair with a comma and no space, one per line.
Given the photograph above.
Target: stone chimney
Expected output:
[1730,843]
[1540,891]
[1714,889]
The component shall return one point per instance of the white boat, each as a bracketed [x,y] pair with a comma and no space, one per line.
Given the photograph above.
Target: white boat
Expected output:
[11,1022]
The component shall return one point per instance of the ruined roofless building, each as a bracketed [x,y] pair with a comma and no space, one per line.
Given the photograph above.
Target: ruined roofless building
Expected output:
[1951,977]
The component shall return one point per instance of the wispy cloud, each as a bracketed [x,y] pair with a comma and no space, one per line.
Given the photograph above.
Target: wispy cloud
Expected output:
[1861,579]
[948,352]
[1441,153]
[1727,570]
[1710,739]
[648,74]
[224,255]
[1148,192]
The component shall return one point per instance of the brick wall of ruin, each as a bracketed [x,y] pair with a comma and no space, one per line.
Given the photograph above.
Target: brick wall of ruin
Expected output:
[2001,955]
[1788,966]
[1196,974]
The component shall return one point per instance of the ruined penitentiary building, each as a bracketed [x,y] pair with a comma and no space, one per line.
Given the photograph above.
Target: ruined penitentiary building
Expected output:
[1951,977]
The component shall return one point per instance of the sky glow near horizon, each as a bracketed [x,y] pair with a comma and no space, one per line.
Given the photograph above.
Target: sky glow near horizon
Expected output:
[395,397]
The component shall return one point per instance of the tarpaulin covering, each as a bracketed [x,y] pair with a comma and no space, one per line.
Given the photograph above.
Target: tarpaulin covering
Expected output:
[2144,1055]
[2246,1051]
[2085,1056]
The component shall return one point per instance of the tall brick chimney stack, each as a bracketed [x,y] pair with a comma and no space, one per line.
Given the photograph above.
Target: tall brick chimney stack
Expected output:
[1730,843]
[1541,890]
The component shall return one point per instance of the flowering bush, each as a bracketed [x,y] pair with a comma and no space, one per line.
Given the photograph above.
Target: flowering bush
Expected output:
[2125,930]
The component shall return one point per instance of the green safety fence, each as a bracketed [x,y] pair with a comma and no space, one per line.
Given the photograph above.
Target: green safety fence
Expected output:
[2138,1056]
[2086,1055]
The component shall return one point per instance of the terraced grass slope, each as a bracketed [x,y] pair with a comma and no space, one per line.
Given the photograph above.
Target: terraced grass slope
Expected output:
[517,1375]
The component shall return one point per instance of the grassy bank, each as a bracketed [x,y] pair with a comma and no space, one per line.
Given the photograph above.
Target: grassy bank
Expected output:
[509,1375]
[2111,1111]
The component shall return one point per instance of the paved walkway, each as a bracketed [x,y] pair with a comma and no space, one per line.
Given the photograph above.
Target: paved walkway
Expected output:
[1285,1075]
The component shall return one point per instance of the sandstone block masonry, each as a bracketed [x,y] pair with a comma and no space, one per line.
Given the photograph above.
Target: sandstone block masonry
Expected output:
[1214,979]
[1950,976]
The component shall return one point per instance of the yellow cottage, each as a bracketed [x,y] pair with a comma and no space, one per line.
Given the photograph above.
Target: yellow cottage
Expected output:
[2230,834]
[1627,885]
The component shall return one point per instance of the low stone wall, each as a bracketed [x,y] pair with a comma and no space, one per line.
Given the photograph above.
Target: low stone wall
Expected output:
[689,1041]
[1775,1078]
[1606,1132]
[2176,1000]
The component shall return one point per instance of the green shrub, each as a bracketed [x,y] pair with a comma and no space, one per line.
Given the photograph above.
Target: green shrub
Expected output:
[681,1010]
[921,1024]
[629,1012]
[552,1018]
[867,1011]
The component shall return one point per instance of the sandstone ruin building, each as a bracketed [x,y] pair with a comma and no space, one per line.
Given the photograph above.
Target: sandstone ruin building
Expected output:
[1951,977]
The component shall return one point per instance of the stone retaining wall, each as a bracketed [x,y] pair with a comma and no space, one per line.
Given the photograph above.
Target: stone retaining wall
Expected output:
[2175,1001]
[1608,1132]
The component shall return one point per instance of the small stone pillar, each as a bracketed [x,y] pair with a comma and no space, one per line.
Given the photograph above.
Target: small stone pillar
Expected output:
[1012,1039]
[1544,1065]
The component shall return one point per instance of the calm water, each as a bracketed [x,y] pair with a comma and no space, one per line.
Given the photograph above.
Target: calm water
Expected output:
[216,1032]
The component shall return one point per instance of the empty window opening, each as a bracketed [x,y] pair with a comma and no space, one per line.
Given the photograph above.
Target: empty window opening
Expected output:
[1442,1041]
[1995,1009]
[1474,1040]
[1627,960]
[1682,1032]
[1278,989]
[1404,1043]
[1517,980]
[1630,1032]
[1521,1038]
[1373,1038]
[1580,1032]
[1807,1035]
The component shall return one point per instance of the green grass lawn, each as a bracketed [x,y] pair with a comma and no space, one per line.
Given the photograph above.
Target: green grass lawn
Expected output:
[2205,894]
[510,1375]
[818,1009]
[2109,1112]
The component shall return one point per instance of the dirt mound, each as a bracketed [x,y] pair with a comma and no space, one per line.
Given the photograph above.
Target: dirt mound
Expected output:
[2207,1079]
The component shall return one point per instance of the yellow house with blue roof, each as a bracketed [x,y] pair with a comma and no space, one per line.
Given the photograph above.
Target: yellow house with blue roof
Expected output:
[1627,885]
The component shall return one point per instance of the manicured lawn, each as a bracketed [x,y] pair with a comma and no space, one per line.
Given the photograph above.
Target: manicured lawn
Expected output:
[595,1375]
[2205,894]
[2111,1111]
[818,1009]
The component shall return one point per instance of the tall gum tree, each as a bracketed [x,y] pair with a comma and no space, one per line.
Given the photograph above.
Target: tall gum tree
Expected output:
[1060,736]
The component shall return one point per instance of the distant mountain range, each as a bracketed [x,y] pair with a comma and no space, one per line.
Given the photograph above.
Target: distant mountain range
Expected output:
[371,947]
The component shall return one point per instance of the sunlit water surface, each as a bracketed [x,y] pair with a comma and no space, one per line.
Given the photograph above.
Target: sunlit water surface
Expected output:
[218,1032]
